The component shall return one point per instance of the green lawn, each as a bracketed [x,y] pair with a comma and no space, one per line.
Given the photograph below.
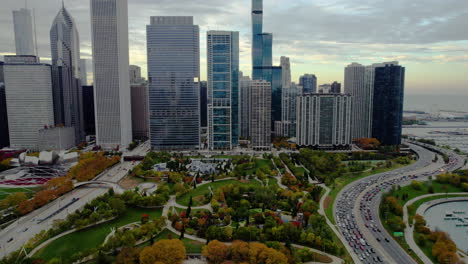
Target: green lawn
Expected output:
[412,193]
[91,237]
[260,163]
[202,190]
[4,192]
[341,182]
[272,181]
[191,246]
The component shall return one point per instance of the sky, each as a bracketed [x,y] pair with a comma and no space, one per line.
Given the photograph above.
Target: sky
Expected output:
[321,37]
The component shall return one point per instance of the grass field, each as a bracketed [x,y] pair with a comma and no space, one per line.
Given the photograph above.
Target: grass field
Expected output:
[91,237]
[260,163]
[4,192]
[412,193]
[191,246]
[202,190]
[341,182]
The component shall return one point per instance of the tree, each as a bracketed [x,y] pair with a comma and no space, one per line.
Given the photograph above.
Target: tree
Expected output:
[13,200]
[216,252]
[128,256]
[147,256]
[416,185]
[239,251]
[169,251]
[272,256]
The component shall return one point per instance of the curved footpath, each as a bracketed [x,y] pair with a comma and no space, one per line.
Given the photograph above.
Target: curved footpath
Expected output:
[409,230]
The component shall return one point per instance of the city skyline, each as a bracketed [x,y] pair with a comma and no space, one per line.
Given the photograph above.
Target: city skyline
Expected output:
[428,39]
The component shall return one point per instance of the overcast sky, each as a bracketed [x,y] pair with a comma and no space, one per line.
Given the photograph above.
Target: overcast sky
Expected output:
[429,37]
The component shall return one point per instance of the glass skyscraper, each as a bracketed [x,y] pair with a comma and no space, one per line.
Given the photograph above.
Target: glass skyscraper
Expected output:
[387,121]
[223,89]
[173,45]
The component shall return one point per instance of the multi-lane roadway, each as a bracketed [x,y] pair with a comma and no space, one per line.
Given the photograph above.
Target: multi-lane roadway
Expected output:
[356,208]
[21,231]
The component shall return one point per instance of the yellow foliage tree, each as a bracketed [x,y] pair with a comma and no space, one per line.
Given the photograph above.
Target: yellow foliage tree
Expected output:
[169,251]
[216,252]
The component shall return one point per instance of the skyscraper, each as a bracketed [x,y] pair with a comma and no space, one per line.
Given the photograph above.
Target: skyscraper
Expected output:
[109,31]
[4,136]
[174,73]
[29,100]
[223,89]
[23,26]
[285,127]
[89,119]
[260,116]
[245,85]
[66,83]
[262,45]
[387,120]
[203,104]
[135,74]
[335,87]
[140,127]
[361,108]
[308,83]
[83,72]
[323,121]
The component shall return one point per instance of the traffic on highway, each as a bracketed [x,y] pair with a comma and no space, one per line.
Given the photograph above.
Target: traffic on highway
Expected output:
[356,208]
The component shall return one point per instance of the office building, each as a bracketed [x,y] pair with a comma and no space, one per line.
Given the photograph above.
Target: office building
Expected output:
[245,86]
[335,87]
[323,121]
[223,89]
[66,83]
[89,119]
[83,72]
[4,136]
[109,31]
[325,88]
[284,127]
[135,74]
[23,27]
[140,110]
[29,99]
[262,44]
[387,119]
[362,95]
[308,83]
[260,115]
[174,74]
[203,104]
[56,138]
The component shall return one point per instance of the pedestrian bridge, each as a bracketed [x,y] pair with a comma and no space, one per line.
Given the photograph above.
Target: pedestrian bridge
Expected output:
[101,184]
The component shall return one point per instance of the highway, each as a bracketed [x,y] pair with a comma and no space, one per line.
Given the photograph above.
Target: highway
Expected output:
[356,208]
[26,227]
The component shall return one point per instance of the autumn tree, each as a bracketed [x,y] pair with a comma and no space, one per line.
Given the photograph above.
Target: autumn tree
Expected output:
[128,256]
[147,256]
[169,251]
[239,251]
[13,200]
[216,252]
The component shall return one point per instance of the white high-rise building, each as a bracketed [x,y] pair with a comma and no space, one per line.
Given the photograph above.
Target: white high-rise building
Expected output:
[361,111]
[323,121]
[109,31]
[29,100]
[260,116]
[286,127]
[135,74]
[24,36]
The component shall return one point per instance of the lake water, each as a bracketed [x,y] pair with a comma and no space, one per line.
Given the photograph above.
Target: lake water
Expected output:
[435,220]
[435,130]
[436,102]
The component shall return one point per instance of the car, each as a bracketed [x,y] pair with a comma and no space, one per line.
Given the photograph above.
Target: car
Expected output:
[9,240]
[379,259]
[386,239]
[378,239]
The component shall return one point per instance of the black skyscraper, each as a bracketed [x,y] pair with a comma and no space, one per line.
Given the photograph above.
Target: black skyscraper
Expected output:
[4,136]
[335,87]
[203,104]
[88,110]
[389,86]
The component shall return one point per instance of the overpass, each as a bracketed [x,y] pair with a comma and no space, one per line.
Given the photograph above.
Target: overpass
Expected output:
[101,184]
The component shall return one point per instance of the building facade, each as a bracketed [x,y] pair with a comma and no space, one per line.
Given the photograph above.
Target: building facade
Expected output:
[204,103]
[23,27]
[174,76]
[109,31]
[389,88]
[308,83]
[335,87]
[323,121]
[56,138]
[29,100]
[286,126]
[223,89]
[140,118]
[262,45]
[83,72]
[4,136]
[66,83]
[260,115]
[245,85]
[135,74]
[89,119]
[362,96]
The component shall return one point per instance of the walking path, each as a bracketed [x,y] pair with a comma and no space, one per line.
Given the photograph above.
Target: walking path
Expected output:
[409,231]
